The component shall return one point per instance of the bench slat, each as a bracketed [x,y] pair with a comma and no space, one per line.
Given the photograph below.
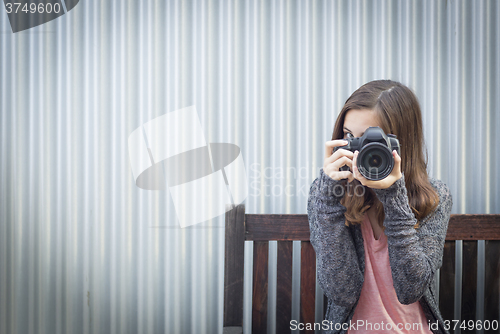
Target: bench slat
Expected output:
[260,290]
[234,249]
[447,281]
[307,283]
[474,227]
[284,286]
[469,280]
[492,280]
[277,227]
[296,227]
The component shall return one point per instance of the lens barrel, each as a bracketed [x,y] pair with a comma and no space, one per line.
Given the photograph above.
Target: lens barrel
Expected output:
[375,161]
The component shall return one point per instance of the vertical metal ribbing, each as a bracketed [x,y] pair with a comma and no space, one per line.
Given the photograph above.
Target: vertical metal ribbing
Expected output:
[76,249]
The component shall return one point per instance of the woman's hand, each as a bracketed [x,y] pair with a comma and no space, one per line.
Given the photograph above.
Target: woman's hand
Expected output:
[381,184]
[333,162]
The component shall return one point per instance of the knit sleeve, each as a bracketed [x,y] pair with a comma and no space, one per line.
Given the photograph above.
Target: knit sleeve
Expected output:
[339,274]
[414,254]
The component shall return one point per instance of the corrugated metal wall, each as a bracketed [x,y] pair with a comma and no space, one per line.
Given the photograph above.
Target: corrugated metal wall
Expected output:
[84,250]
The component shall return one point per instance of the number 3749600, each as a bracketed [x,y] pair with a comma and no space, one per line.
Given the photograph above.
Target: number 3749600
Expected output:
[17,7]
[471,325]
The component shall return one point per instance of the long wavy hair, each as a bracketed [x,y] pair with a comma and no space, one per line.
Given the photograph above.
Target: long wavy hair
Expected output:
[399,113]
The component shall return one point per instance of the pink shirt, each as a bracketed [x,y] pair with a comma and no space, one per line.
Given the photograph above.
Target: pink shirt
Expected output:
[378,309]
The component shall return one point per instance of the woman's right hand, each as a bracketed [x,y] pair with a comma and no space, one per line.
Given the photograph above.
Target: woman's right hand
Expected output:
[333,162]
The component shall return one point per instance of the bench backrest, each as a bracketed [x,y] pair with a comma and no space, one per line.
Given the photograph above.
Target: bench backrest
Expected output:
[457,288]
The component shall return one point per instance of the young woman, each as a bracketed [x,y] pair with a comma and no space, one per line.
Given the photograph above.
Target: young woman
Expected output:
[379,243]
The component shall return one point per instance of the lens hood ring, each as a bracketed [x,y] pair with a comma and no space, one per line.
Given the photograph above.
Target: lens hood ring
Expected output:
[381,151]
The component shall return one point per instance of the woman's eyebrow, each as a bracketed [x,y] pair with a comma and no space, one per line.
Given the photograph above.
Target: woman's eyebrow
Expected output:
[347,129]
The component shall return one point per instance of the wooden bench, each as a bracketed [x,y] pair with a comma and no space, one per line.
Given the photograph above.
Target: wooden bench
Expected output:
[464,230]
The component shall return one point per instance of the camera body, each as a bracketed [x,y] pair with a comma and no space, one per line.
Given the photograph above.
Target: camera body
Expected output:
[375,161]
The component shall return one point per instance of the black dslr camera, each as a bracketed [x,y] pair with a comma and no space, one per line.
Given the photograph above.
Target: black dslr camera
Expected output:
[375,161]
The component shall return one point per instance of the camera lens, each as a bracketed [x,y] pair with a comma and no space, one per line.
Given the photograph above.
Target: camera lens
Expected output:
[375,161]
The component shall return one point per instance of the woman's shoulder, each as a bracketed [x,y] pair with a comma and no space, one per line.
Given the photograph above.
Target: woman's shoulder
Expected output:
[441,188]
[445,204]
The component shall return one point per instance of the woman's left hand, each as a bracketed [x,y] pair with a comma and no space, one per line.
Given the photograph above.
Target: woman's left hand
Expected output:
[381,184]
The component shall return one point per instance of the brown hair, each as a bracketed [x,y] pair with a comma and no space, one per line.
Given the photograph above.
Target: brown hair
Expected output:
[398,113]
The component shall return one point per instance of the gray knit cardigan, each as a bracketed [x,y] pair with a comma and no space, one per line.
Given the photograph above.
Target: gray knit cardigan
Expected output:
[414,254]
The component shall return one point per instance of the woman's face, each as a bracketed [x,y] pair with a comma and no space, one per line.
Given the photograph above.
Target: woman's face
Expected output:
[356,121]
